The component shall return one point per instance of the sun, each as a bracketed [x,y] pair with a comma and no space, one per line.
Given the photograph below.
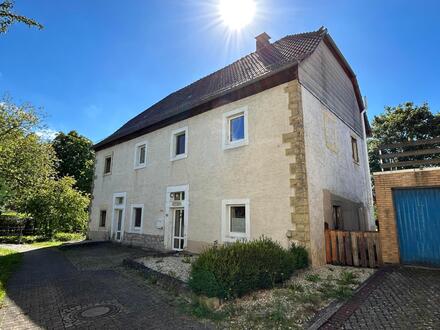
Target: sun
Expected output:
[236,14]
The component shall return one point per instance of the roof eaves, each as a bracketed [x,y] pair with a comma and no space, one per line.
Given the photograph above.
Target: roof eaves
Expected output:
[109,140]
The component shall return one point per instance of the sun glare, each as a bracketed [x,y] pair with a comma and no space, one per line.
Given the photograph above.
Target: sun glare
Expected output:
[236,14]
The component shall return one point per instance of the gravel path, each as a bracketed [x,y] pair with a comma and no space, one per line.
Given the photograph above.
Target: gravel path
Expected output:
[176,266]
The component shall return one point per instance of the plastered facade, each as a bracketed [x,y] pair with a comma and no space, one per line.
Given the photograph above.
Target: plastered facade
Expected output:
[330,168]
[258,171]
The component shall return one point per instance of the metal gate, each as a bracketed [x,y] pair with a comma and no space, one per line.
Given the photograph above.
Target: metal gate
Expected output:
[418,225]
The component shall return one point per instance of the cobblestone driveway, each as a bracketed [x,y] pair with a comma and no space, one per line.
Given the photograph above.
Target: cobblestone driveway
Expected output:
[399,298]
[49,292]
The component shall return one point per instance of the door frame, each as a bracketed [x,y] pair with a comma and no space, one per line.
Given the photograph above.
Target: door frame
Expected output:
[169,224]
[118,207]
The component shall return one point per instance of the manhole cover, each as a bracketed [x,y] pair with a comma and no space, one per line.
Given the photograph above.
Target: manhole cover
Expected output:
[81,315]
[95,311]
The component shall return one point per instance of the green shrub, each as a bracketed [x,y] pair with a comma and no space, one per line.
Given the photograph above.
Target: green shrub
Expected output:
[233,270]
[300,255]
[65,237]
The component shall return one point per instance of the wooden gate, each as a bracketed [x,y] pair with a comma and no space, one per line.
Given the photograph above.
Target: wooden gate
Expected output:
[353,248]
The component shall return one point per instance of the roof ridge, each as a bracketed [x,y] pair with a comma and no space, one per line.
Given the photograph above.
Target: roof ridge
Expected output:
[321,30]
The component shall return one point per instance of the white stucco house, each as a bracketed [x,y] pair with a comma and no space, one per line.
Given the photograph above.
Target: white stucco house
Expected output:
[273,144]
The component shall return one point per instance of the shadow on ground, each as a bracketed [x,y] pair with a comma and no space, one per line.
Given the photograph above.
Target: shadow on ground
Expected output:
[86,287]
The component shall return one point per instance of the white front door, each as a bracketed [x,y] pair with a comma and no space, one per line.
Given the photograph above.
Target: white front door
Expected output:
[117,229]
[176,222]
[119,217]
[178,229]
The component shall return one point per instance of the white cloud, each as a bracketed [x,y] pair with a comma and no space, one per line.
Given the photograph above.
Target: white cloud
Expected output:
[47,134]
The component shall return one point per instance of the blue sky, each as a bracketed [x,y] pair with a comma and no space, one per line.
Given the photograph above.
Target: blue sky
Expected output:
[98,63]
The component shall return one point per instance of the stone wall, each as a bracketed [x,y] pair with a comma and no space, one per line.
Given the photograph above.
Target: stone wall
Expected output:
[154,242]
[300,232]
[384,183]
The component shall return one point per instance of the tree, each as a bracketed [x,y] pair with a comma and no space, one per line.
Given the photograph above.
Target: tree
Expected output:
[59,207]
[405,122]
[75,158]
[7,17]
[26,163]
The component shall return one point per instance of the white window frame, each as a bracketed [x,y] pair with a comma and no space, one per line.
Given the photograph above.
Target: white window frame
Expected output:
[227,235]
[174,134]
[226,133]
[111,164]
[137,147]
[132,215]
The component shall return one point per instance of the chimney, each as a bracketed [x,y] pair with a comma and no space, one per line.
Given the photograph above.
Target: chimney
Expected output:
[262,41]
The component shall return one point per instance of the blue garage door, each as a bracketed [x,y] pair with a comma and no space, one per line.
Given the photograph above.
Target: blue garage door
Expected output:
[418,225]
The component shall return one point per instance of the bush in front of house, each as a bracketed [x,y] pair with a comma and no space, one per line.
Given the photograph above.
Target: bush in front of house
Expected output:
[300,256]
[235,269]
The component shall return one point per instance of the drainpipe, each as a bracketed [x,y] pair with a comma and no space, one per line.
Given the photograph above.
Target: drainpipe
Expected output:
[367,174]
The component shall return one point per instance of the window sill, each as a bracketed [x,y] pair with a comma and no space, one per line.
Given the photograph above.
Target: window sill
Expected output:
[236,237]
[107,174]
[237,144]
[138,167]
[179,157]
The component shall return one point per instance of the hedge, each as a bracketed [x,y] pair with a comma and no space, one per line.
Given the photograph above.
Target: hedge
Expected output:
[235,269]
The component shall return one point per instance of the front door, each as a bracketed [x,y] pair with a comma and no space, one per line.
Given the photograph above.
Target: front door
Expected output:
[119,215]
[179,229]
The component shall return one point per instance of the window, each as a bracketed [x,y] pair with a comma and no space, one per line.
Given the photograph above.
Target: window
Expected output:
[137,214]
[179,143]
[102,218]
[140,155]
[119,200]
[354,150]
[337,218]
[235,128]
[107,164]
[235,220]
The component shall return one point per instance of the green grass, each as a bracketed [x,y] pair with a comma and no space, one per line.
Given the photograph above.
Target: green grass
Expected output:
[46,244]
[9,261]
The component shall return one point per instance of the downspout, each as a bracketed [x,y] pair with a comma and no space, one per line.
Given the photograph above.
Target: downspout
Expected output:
[367,174]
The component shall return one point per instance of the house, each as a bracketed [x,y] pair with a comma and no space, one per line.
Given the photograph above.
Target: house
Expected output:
[273,144]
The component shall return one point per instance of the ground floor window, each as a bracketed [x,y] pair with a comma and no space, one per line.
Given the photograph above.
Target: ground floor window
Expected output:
[235,220]
[102,218]
[136,216]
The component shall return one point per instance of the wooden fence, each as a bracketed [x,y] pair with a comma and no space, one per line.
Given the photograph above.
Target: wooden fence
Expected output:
[353,248]
[410,154]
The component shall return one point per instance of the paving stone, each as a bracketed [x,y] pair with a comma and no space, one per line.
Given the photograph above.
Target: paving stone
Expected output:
[399,298]
[48,292]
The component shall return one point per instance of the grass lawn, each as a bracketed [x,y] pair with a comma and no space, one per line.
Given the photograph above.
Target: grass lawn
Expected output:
[9,261]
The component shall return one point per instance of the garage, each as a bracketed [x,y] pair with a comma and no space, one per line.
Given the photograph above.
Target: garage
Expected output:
[418,225]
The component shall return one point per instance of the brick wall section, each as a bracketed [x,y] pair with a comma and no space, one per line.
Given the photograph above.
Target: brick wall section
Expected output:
[298,175]
[384,183]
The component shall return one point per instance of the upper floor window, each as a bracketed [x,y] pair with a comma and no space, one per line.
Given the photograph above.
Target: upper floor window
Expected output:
[354,150]
[235,128]
[108,164]
[140,155]
[179,143]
